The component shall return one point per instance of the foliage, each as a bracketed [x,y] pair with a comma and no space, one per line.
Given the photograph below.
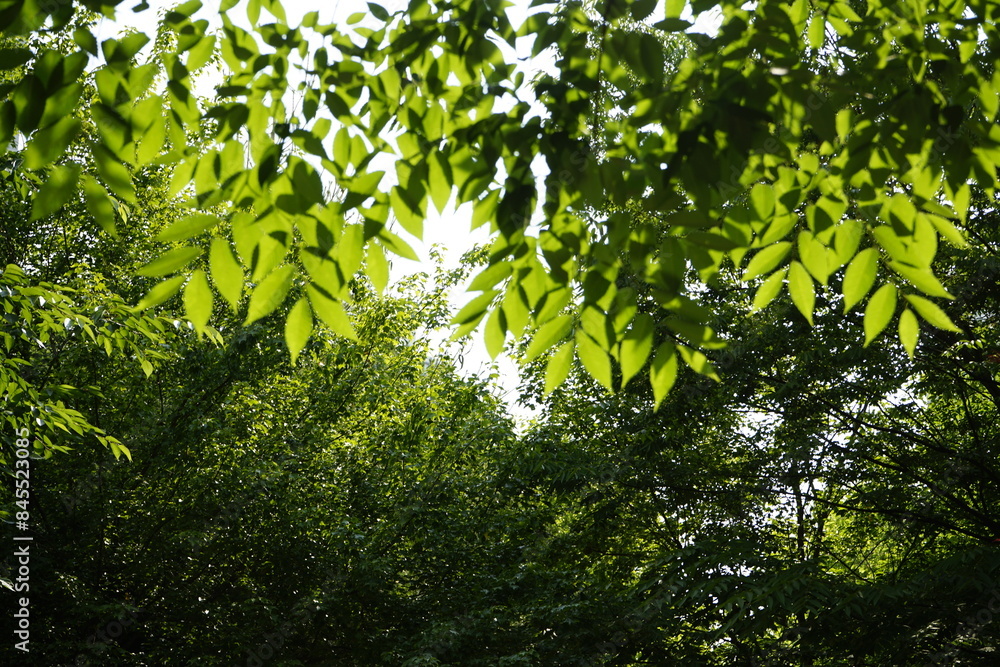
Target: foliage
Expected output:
[801,139]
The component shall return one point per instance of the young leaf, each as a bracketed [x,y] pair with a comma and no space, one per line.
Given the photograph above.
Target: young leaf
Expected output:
[227,274]
[548,335]
[332,313]
[766,259]
[859,277]
[594,358]
[160,293]
[298,327]
[909,331]
[558,366]
[800,287]
[663,372]
[769,289]
[932,313]
[879,311]
[269,294]
[170,261]
[188,227]
[636,346]
[198,300]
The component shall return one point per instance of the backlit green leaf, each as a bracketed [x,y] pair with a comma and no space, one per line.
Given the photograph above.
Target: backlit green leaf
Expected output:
[769,289]
[879,312]
[332,313]
[170,261]
[227,274]
[198,300]
[663,372]
[298,327]
[548,335]
[56,191]
[188,227]
[800,287]
[594,358]
[495,333]
[161,292]
[636,346]
[909,331]
[766,259]
[558,366]
[859,277]
[931,313]
[270,293]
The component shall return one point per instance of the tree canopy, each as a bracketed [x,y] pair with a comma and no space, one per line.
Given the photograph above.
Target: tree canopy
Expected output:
[809,146]
[271,460]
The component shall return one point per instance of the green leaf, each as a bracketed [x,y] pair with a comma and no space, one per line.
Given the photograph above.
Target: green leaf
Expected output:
[170,261]
[698,362]
[859,277]
[114,173]
[14,58]
[817,29]
[769,289]
[475,309]
[879,312]
[762,201]
[198,300]
[99,204]
[56,191]
[439,180]
[227,274]
[949,231]
[377,267]
[48,144]
[558,366]
[161,292]
[663,372]
[188,227]
[495,333]
[931,313]
[253,11]
[766,259]
[594,358]
[642,8]
[800,287]
[635,347]
[548,335]
[269,294]
[298,327]
[85,40]
[332,313]
[378,11]
[490,276]
[922,279]
[909,331]
[814,256]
